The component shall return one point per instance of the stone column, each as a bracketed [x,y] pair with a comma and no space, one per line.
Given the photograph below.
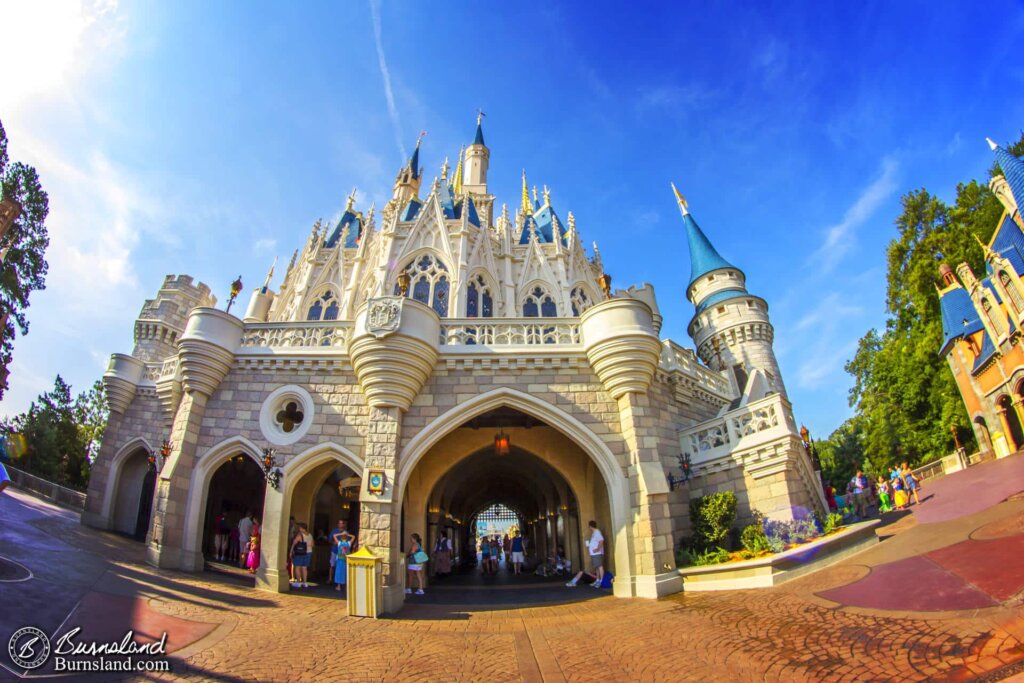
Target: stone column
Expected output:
[206,352]
[1010,441]
[393,350]
[624,350]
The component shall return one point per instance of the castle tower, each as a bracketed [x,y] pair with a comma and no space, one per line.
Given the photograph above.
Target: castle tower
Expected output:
[730,328]
[407,184]
[474,179]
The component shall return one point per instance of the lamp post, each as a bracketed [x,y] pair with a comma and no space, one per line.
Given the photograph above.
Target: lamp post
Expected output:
[236,288]
[685,468]
[812,452]
[605,283]
[158,463]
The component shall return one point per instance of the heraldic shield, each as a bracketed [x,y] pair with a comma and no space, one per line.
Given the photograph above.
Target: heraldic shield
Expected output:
[384,315]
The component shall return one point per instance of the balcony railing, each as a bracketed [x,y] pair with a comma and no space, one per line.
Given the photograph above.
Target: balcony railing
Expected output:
[675,357]
[758,422]
[510,331]
[297,335]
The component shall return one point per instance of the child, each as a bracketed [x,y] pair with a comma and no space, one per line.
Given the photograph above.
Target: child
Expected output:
[898,494]
[884,503]
[253,561]
[912,483]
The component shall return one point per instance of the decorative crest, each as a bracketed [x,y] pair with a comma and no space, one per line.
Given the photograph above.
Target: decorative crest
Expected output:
[384,315]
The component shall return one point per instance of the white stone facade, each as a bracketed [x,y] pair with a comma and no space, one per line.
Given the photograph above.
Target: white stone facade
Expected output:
[338,368]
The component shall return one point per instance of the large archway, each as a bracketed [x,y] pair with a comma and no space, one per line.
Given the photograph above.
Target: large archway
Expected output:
[131,493]
[236,489]
[554,474]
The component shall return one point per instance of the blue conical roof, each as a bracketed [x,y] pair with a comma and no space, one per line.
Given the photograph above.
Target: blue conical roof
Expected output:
[414,161]
[1013,171]
[479,139]
[704,258]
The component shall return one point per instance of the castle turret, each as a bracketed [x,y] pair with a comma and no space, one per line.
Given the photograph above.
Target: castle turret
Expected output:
[407,184]
[477,157]
[730,328]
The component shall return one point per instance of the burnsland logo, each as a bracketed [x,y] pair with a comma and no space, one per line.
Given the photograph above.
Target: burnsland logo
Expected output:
[29,648]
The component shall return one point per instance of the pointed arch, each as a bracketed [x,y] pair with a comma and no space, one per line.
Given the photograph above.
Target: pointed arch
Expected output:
[114,473]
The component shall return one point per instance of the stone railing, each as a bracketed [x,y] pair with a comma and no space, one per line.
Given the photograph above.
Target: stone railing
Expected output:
[758,422]
[168,369]
[510,331]
[297,335]
[675,358]
[45,488]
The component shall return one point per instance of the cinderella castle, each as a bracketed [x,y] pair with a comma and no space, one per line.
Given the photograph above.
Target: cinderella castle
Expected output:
[982,319]
[420,366]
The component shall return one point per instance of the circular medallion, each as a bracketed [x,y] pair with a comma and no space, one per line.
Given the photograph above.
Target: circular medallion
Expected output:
[29,648]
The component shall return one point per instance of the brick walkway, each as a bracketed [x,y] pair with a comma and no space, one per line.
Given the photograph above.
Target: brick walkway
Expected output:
[801,631]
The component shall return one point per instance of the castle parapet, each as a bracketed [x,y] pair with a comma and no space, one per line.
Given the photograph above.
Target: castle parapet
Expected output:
[207,349]
[621,344]
[121,380]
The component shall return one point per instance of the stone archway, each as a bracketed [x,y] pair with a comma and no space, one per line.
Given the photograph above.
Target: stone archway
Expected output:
[130,489]
[125,457]
[607,468]
[301,477]
[195,508]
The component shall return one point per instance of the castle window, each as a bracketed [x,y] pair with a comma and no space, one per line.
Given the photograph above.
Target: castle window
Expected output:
[1011,289]
[993,317]
[324,308]
[479,303]
[580,300]
[429,283]
[539,304]
[721,309]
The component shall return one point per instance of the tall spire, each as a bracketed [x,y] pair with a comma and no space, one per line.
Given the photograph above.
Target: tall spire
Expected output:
[270,276]
[527,206]
[351,200]
[1013,170]
[414,160]
[479,139]
[457,182]
[704,258]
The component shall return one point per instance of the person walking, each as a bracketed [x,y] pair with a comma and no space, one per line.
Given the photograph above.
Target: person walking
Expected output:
[911,482]
[595,546]
[301,554]
[485,555]
[884,501]
[443,555]
[858,488]
[244,534]
[414,567]
[221,534]
[518,552]
[342,550]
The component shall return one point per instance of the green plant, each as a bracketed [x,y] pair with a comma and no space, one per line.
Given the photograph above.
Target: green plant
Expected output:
[683,557]
[802,530]
[832,522]
[712,516]
[712,556]
[753,539]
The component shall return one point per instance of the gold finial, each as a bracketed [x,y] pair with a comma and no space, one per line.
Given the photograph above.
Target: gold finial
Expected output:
[351,200]
[572,222]
[270,275]
[984,247]
[480,116]
[527,207]
[419,139]
[547,196]
[444,169]
[457,184]
[684,207]
[534,194]
[993,144]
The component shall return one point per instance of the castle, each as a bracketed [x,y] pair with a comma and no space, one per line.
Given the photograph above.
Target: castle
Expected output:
[408,375]
[982,319]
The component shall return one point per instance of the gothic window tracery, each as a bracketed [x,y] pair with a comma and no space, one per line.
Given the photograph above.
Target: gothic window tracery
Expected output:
[325,307]
[993,317]
[429,283]
[479,301]
[1011,289]
[539,304]
[580,300]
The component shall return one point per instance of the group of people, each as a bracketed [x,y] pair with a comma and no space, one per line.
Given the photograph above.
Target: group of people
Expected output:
[300,553]
[237,542]
[885,494]
[493,548]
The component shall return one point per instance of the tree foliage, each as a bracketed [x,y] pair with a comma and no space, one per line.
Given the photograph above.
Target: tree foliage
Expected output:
[903,393]
[58,437]
[24,268]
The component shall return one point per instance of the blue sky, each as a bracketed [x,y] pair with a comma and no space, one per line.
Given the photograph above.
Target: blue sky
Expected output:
[205,138]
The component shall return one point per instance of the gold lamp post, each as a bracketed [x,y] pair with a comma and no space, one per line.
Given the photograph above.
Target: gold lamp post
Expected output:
[605,283]
[403,283]
[236,288]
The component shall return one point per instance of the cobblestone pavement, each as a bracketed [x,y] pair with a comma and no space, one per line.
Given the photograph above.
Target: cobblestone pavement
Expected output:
[789,633]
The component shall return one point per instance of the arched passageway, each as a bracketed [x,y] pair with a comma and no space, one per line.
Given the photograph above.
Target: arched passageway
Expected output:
[550,483]
[133,495]
[322,497]
[1008,414]
[235,489]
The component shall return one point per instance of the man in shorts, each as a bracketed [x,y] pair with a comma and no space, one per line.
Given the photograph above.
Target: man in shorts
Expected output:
[595,545]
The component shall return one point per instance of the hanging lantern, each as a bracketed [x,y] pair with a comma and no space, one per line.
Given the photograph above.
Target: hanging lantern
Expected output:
[502,443]
[403,283]
[236,288]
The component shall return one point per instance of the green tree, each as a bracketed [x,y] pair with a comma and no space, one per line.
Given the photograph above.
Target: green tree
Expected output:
[24,268]
[903,392]
[841,453]
[56,438]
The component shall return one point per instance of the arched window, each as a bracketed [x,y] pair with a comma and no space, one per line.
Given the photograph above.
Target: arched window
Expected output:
[993,317]
[1011,289]
[479,302]
[429,284]
[324,308]
[580,300]
[539,304]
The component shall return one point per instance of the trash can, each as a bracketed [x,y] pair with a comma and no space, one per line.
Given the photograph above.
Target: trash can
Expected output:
[365,584]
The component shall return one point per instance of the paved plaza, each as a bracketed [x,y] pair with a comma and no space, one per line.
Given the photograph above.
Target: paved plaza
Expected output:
[937,601]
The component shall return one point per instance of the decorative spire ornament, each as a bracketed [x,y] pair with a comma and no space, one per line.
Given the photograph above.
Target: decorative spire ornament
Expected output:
[351,200]
[457,183]
[527,207]
[270,275]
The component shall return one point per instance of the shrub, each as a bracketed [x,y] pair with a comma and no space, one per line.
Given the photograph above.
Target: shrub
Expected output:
[832,522]
[802,530]
[753,539]
[711,517]
[712,556]
[683,557]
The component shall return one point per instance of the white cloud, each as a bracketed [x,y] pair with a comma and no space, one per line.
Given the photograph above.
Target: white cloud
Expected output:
[840,238]
[825,335]
[264,245]
[385,74]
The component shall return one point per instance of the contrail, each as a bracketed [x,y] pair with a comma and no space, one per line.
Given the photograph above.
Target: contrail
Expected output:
[386,75]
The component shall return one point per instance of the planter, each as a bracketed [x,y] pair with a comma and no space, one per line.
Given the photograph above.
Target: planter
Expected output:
[765,572]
